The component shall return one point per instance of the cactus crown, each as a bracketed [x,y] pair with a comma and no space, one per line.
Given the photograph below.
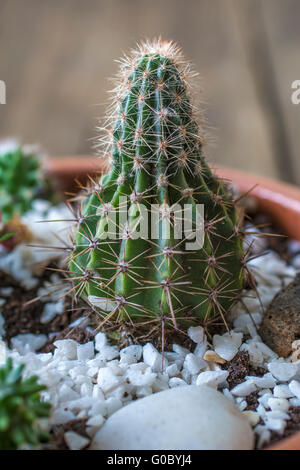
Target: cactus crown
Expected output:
[157,167]
[20,407]
[20,182]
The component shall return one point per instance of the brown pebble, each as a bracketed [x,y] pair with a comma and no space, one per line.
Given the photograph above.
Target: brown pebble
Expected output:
[281,323]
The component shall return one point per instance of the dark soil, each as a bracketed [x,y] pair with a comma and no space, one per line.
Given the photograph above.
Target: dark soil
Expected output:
[275,239]
[23,317]
[81,335]
[252,401]
[239,367]
[57,441]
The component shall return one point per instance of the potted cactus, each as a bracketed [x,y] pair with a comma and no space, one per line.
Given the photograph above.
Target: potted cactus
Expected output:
[158,174]
[158,246]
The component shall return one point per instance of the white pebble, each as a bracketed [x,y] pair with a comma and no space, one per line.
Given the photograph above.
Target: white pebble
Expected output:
[176,382]
[264,399]
[51,309]
[61,416]
[280,404]
[228,394]
[261,411]
[276,414]
[153,358]
[196,333]
[67,347]
[180,350]
[97,392]
[187,417]
[159,386]
[244,389]
[242,405]
[131,354]
[86,389]
[245,319]
[296,261]
[98,408]
[264,434]
[212,378]
[283,371]
[100,341]
[107,380]
[256,356]
[112,405]
[74,441]
[76,371]
[172,370]
[251,329]
[28,342]
[108,353]
[294,387]
[266,351]
[66,393]
[294,401]
[96,420]
[80,404]
[6,291]
[140,375]
[81,321]
[282,391]
[193,363]
[85,351]
[266,381]
[143,391]
[274,424]
[200,349]
[225,347]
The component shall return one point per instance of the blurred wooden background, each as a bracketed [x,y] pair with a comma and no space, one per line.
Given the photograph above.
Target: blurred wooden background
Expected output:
[56,57]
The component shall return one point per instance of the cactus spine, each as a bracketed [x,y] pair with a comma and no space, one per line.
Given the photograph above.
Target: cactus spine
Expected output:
[156,161]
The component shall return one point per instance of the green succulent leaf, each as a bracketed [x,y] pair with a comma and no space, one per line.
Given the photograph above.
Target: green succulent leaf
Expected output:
[20,182]
[6,236]
[20,408]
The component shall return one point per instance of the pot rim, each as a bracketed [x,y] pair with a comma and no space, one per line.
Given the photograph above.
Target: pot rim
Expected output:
[278,199]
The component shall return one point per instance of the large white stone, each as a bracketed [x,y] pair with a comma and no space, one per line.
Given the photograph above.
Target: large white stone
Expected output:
[183,418]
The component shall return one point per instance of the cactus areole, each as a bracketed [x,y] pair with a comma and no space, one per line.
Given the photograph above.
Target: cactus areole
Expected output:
[159,178]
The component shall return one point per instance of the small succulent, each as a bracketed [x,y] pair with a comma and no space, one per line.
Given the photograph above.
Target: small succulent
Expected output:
[20,182]
[20,408]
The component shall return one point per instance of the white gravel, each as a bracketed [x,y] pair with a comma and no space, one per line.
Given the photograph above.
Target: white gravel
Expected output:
[94,380]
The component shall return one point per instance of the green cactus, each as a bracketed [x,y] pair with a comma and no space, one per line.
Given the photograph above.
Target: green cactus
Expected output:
[156,161]
[20,407]
[20,182]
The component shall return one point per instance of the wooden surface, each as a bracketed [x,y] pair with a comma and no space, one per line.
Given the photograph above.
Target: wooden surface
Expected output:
[56,57]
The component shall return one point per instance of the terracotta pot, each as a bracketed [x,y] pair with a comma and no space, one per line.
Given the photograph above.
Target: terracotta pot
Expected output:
[280,200]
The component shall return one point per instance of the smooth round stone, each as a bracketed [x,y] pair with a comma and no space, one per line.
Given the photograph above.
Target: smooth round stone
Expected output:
[185,418]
